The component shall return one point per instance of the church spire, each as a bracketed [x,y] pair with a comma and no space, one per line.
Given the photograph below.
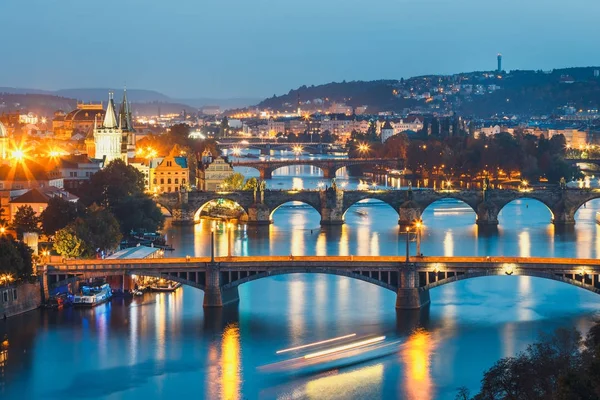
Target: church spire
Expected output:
[125,114]
[110,119]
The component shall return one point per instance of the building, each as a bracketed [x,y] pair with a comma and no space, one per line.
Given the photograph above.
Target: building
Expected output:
[499,62]
[115,138]
[387,131]
[20,177]
[212,174]
[37,199]
[75,170]
[4,142]
[79,120]
[142,165]
[170,175]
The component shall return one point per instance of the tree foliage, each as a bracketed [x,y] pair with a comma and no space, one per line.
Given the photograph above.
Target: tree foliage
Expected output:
[59,214]
[67,243]
[234,181]
[560,366]
[25,220]
[16,258]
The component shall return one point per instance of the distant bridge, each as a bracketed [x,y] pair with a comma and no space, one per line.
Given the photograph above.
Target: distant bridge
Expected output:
[410,279]
[328,166]
[267,146]
[332,205]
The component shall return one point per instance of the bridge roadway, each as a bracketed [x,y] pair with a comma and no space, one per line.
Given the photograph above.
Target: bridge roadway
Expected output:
[328,166]
[410,280]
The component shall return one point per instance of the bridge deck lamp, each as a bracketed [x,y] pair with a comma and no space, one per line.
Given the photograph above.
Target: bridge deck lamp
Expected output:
[212,245]
[418,226]
[2,230]
[229,230]
[407,237]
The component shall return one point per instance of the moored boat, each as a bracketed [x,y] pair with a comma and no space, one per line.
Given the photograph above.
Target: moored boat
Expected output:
[93,295]
[165,287]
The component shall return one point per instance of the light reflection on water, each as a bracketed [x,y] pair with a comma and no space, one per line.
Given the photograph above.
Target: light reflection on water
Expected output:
[167,345]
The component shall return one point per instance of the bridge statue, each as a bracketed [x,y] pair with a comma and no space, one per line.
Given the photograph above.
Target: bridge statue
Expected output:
[333,184]
[563,183]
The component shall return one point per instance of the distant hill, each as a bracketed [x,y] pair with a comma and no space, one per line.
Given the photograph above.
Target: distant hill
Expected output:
[479,94]
[136,96]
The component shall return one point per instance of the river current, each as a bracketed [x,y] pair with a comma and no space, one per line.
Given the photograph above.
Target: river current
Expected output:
[167,346]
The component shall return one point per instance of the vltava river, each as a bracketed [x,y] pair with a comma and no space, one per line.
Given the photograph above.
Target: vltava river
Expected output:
[167,346]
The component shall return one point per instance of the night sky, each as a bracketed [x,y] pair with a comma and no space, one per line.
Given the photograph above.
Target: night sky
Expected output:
[257,48]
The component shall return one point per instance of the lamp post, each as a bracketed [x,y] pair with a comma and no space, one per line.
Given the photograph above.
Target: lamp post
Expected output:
[212,245]
[418,226]
[407,234]
[229,229]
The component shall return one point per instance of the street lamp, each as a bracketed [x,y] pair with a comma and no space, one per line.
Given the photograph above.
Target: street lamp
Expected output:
[229,230]
[363,148]
[407,237]
[418,226]
[212,245]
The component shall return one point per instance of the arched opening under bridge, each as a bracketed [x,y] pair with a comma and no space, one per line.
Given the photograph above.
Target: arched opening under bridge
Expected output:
[221,209]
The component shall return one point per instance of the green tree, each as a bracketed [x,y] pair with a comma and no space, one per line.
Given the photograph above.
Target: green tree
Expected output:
[234,181]
[68,244]
[395,147]
[251,184]
[138,214]
[58,214]
[25,220]
[99,230]
[115,182]
[16,258]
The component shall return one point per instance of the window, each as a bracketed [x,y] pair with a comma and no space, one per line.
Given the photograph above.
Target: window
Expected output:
[177,181]
[183,181]
[154,181]
[5,296]
[14,294]
[169,189]
[169,163]
[169,181]
[162,181]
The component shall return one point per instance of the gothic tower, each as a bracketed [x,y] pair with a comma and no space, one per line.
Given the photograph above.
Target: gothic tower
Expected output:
[108,137]
[126,125]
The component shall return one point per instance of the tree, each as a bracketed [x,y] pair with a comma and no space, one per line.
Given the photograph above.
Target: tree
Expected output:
[395,147]
[251,184]
[16,258]
[234,181]
[67,243]
[138,214]
[58,214]
[99,230]
[25,220]
[115,182]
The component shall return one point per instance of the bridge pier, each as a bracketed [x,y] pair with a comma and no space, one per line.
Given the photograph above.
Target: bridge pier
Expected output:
[563,217]
[408,215]
[332,210]
[487,215]
[409,295]
[265,173]
[329,173]
[259,214]
[183,216]
[214,294]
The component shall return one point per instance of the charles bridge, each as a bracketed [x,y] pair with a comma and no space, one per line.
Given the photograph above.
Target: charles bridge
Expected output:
[332,204]
[328,166]
[410,278]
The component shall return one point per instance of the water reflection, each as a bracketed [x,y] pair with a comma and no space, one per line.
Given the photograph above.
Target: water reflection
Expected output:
[364,382]
[416,354]
[230,363]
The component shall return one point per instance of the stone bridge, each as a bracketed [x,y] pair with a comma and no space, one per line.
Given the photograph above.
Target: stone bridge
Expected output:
[328,166]
[266,147]
[332,204]
[411,279]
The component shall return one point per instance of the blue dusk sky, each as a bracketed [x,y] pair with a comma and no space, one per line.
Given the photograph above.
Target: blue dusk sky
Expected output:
[257,48]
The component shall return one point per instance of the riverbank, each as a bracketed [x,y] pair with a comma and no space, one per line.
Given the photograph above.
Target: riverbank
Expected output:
[19,299]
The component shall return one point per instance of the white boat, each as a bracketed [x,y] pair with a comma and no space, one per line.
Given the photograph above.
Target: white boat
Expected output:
[93,296]
[362,213]
[166,287]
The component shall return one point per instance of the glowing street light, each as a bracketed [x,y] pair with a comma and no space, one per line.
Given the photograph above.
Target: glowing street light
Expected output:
[297,150]
[18,155]
[363,148]
[236,151]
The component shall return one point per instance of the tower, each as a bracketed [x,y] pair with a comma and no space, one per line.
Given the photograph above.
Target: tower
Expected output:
[3,142]
[108,137]
[499,62]
[126,126]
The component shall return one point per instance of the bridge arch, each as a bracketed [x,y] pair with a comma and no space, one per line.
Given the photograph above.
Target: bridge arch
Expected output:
[578,205]
[501,207]
[277,206]
[236,205]
[455,206]
[292,164]
[348,274]
[576,280]
[369,200]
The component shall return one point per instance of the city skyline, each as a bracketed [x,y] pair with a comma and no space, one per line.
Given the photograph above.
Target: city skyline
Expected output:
[286,47]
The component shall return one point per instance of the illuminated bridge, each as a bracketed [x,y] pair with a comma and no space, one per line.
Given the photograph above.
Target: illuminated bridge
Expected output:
[332,204]
[410,279]
[328,166]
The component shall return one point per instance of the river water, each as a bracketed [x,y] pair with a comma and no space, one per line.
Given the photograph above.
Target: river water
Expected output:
[167,346]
